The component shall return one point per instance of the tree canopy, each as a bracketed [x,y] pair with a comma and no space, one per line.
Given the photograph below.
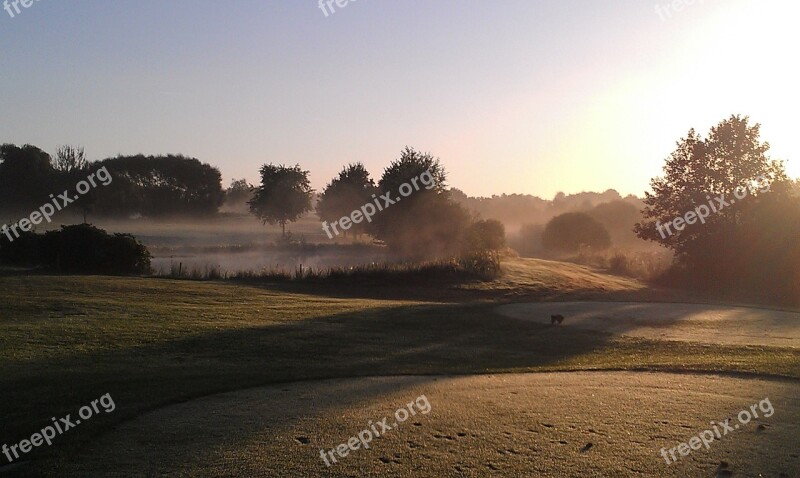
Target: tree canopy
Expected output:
[283,196]
[426,222]
[573,230]
[347,192]
[701,169]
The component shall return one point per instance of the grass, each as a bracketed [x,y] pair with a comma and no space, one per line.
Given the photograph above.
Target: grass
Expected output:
[153,342]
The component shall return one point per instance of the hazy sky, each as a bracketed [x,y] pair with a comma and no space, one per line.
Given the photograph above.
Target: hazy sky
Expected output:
[515,96]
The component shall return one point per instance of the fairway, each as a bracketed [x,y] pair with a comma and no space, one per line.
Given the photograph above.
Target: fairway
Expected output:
[550,424]
[204,373]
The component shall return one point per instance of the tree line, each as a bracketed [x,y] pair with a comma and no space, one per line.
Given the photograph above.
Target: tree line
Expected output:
[427,223]
[150,186]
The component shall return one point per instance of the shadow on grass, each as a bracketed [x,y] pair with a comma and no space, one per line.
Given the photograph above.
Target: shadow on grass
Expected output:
[414,340]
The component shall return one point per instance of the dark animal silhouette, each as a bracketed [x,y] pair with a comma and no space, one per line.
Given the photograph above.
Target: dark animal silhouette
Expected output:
[556,318]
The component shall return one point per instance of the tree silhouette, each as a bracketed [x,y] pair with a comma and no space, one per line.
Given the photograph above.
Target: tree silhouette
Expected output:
[283,196]
[425,222]
[158,186]
[346,193]
[573,230]
[486,235]
[700,170]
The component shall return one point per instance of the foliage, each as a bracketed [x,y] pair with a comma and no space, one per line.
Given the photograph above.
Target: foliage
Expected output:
[745,249]
[486,235]
[699,170]
[571,231]
[346,193]
[427,223]
[283,196]
[77,249]
[157,186]
[26,178]
[239,192]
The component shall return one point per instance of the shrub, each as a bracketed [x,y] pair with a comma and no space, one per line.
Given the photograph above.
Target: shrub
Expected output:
[486,235]
[571,231]
[78,249]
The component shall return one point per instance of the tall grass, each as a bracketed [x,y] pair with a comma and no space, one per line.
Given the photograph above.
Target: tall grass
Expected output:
[473,267]
[645,265]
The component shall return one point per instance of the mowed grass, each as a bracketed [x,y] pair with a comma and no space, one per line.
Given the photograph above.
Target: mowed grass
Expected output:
[151,342]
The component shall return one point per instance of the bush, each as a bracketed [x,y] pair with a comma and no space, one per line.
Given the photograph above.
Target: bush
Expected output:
[574,230]
[486,235]
[78,249]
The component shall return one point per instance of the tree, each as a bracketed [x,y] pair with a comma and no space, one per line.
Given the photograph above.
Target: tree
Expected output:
[26,178]
[284,195]
[573,230]
[733,156]
[425,222]
[70,158]
[412,164]
[747,239]
[346,193]
[158,186]
[489,235]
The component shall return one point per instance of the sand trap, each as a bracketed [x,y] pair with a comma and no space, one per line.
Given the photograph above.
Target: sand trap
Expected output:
[524,425]
[686,322]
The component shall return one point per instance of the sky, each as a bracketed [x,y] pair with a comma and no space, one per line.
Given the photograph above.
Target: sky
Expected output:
[518,96]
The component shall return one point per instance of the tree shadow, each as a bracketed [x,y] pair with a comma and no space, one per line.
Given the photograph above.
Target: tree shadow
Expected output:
[414,340]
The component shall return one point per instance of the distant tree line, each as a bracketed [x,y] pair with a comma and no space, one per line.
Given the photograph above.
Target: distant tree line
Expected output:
[584,228]
[515,210]
[150,186]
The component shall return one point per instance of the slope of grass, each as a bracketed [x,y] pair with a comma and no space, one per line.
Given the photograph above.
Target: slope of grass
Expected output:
[150,342]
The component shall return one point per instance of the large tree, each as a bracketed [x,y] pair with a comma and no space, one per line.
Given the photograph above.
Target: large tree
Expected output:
[348,192]
[425,222]
[156,186]
[700,170]
[283,196]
